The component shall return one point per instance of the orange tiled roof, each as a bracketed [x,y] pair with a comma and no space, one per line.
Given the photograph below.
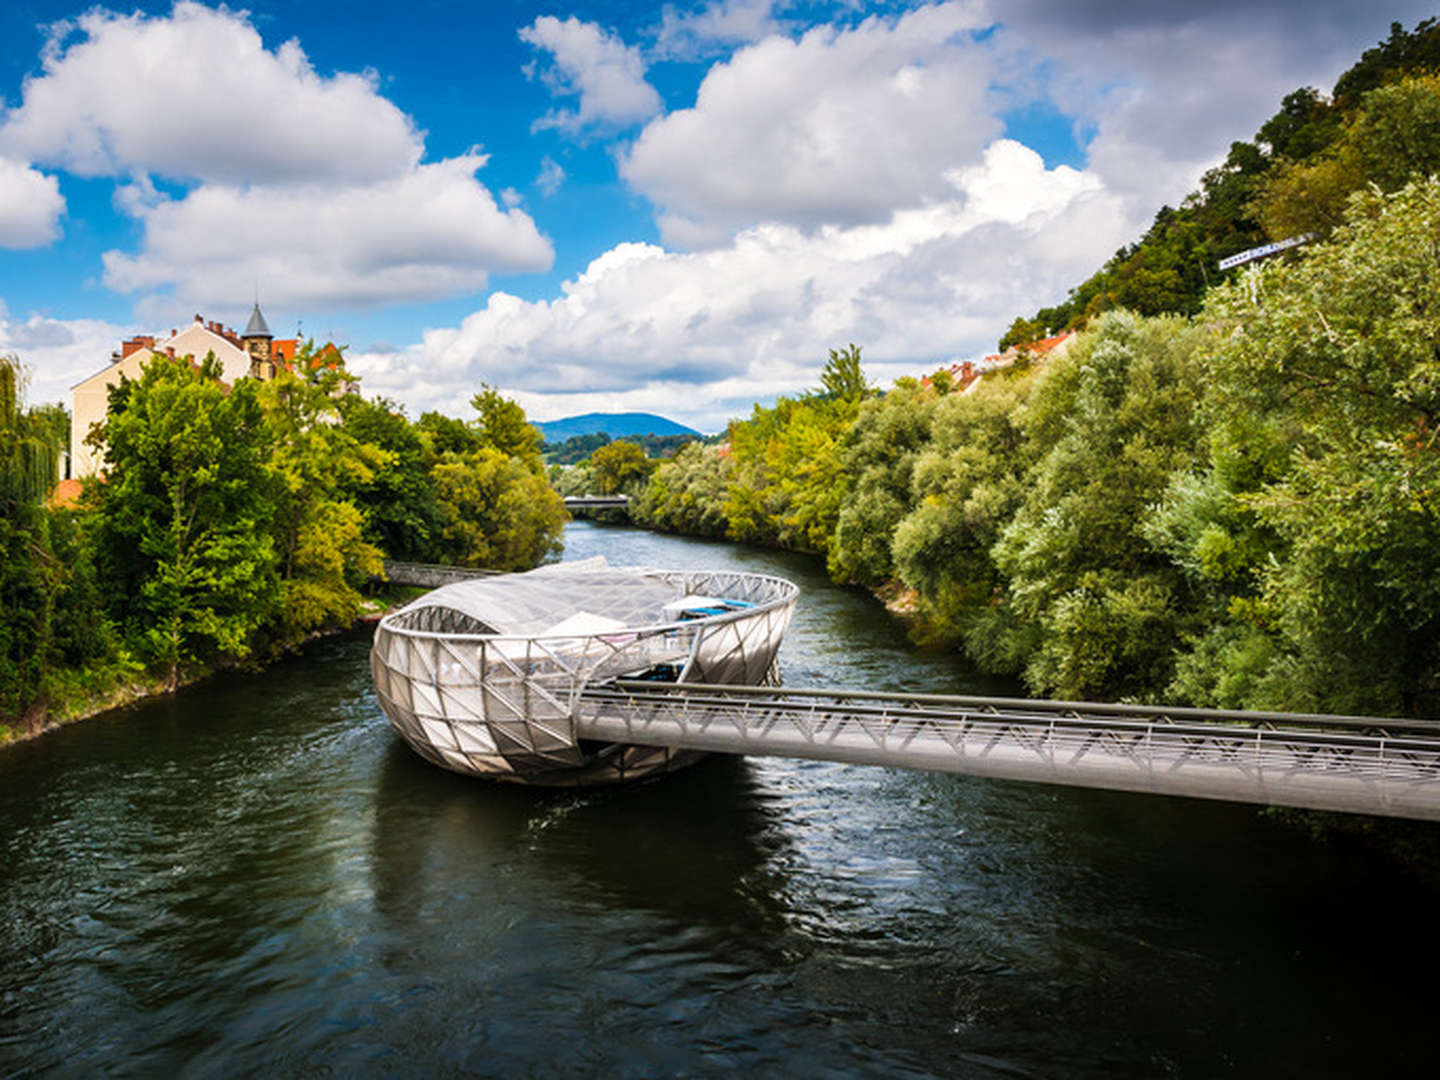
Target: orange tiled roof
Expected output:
[65,495]
[1044,345]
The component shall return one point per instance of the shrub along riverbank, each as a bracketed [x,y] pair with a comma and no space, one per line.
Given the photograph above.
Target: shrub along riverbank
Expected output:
[1240,509]
[235,523]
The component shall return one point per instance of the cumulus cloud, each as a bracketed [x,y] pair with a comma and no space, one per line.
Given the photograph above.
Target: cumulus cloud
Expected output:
[433,231]
[57,353]
[1168,86]
[233,111]
[684,35]
[607,74]
[311,185]
[30,206]
[703,331]
[841,126]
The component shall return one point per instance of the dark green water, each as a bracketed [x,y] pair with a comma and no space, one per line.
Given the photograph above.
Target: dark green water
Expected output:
[256,877]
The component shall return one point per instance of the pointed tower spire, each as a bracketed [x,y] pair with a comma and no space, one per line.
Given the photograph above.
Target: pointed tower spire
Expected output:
[257,327]
[257,338]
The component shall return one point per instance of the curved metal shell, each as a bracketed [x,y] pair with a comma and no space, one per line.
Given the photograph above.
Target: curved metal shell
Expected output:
[470,694]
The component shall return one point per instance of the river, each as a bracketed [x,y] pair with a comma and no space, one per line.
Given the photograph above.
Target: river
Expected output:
[256,877]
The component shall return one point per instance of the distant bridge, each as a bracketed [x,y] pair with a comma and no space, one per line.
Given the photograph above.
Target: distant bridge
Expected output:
[1362,765]
[430,575]
[597,502]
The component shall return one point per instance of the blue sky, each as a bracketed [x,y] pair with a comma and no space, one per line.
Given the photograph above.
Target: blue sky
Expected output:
[677,208]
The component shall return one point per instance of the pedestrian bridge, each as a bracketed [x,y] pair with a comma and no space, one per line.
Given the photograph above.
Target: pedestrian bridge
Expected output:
[1362,765]
[597,502]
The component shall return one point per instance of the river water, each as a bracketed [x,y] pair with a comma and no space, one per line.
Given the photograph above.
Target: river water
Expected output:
[257,877]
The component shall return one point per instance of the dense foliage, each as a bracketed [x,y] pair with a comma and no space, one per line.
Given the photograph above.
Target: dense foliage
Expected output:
[1240,509]
[232,522]
[578,448]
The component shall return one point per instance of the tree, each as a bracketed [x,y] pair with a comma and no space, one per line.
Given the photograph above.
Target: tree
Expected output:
[186,513]
[687,493]
[446,435]
[1338,352]
[879,453]
[319,532]
[497,511]
[1393,136]
[1102,609]
[620,467]
[842,379]
[496,507]
[397,502]
[502,425]
[26,472]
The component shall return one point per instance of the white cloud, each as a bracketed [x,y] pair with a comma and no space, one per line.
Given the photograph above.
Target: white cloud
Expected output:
[58,353]
[197,96]
[433,231]
[689,34]
[30,206]
[839,127]
[607,74]
[1167,87]
[550,178]
[704,333]
[310,185]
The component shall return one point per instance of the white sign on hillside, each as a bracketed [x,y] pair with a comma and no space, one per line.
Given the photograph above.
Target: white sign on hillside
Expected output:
[1261,252]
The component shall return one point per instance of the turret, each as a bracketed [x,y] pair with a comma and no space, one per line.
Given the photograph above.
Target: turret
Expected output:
[257,338]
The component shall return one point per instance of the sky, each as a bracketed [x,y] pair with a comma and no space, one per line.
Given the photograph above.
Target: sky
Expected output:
[676,208]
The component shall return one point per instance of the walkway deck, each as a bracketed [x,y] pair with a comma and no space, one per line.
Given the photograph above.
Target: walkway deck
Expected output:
[1364,765]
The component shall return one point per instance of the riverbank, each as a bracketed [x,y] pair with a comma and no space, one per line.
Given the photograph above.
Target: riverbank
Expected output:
[81,695]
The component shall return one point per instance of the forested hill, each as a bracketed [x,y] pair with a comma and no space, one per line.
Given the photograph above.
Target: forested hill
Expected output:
[616,425]
[1377,126]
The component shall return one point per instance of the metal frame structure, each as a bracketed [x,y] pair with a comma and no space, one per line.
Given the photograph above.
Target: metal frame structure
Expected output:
[485,676]
[1357,764]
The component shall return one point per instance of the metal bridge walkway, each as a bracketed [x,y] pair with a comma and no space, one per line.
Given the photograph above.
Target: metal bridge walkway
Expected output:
[1355,764]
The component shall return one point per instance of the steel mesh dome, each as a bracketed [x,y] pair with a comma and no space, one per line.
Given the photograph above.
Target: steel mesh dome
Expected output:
[483,676]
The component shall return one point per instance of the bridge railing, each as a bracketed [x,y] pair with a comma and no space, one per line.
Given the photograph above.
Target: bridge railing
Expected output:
[1358,764]
[430,575]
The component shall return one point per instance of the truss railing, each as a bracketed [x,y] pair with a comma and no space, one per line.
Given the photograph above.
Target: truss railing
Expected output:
[1386,766]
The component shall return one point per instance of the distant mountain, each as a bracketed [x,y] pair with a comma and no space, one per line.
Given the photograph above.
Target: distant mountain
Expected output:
[616,425]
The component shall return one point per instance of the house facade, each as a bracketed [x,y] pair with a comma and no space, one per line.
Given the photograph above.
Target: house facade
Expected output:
[252,353]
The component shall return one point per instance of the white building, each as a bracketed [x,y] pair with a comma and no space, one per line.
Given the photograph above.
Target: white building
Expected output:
[253,352]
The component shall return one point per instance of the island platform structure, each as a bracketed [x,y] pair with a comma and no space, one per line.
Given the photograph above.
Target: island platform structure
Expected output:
[485,676]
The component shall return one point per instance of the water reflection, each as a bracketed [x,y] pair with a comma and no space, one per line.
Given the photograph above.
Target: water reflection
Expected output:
[701,852]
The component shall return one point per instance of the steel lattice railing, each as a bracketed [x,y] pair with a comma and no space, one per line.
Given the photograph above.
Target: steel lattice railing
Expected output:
[1357,764]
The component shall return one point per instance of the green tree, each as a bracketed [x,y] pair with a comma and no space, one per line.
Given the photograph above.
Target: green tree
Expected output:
[502,425]
[879,453]
[965,485]
[1339,353]
[26,473]
[1393,136]
[186,514]
[397,502]
[497,512]
[1103,609]
[319,532]
[842,379]
[620,467]
[447,435]
[687,493]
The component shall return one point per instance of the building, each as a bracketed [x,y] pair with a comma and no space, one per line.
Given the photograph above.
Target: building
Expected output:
[965,375]
[254,352]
